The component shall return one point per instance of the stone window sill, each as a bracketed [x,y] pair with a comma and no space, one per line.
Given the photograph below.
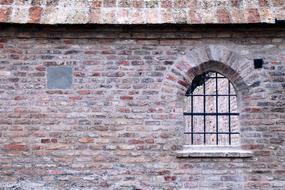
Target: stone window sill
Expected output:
[196,151]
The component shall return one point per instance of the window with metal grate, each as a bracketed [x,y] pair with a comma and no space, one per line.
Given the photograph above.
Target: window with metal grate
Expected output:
[211,111]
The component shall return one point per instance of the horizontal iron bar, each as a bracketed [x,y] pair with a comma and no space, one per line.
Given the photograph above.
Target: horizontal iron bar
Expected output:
[214,114]
[212,133]
[216,77]
[210,95]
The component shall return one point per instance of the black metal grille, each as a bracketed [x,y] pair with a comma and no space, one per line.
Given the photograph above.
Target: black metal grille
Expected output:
[199,89]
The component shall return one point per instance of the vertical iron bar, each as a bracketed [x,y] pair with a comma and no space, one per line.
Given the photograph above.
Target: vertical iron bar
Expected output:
[204,92]
[229,102]
[192,123]
[217,111]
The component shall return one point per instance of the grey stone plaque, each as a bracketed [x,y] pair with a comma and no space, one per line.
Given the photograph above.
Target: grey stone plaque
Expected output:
[59,77]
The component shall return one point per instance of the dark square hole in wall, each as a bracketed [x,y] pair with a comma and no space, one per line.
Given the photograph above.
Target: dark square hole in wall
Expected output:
[258,63]
[59,77]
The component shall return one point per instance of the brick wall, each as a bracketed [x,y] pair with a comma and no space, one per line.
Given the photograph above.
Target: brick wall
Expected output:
[141,11]
[120,123]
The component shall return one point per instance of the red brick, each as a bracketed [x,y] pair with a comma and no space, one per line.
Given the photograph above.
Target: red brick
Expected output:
[86,140]
[149,141]
[255,110]
[55,172]
[96,4]
[263,3]
[126,98]
[40,68]
[75,98]
[35,14]
[36,147]
[194,17]
[95,15]
[44,141]
[96,74]
[20,98]
[15,147]
[164,172]
[183,83]
[124,63]
[170,178]
[57,147]
[223,16]
[6,2]
[5,14]
[84,92]
[79,74]
[124,110]
[134,141]
[253,16]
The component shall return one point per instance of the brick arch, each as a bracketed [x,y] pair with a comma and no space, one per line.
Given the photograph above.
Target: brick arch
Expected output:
[210,58]
[221,68]
[238,69]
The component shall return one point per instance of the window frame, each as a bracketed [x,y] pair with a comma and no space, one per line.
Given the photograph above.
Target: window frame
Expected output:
[201,80]
[214,151]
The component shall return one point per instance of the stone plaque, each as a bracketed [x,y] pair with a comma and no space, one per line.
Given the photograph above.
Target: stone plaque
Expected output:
[59,77]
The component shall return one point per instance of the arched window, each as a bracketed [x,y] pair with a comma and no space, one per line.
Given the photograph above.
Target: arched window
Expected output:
[211,111]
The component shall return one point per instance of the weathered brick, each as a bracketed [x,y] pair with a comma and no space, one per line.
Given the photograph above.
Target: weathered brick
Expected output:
[223,16]
[253,16]
[86,140]
[236,3]
[15,147]
[35,14]
[97,4]
[6,2]
[166,4]
[109,3]
[5,14]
